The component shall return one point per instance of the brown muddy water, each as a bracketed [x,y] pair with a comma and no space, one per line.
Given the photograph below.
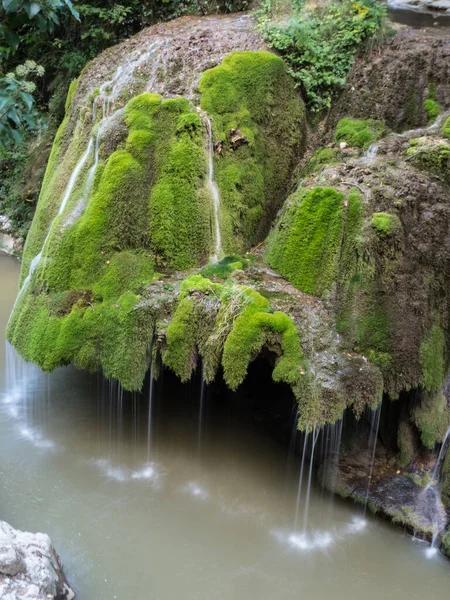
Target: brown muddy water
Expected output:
[200,509]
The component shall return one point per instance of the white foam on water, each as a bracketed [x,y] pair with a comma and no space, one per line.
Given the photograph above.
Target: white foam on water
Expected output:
[35,438]
[196,491]
[111,471]
[149,472]
[310,541]
[431,551]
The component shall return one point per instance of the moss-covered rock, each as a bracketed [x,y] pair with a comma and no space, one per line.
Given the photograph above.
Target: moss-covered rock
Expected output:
[259,125]
[305,246]
[359,132]
[385,224]
[117,209]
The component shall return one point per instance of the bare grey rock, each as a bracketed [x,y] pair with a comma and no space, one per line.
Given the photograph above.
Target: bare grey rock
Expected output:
[30,568]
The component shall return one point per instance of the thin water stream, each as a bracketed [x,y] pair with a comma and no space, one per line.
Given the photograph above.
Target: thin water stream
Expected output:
[215,525]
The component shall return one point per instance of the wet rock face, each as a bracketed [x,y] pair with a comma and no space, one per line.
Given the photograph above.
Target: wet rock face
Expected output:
[185,48]
[30,569]
[393,82]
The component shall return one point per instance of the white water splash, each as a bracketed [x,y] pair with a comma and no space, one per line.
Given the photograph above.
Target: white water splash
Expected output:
[196,491]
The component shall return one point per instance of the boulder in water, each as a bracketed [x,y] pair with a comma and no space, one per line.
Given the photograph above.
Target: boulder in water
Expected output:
[30,568]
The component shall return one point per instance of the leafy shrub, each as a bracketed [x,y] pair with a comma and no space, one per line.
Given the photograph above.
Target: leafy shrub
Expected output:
[320,44]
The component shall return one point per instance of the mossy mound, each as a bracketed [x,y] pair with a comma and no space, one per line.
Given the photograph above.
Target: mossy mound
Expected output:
[430,154]
[125,198]
[359,132]
[305,246]
[385,224]
[228,324]
[259,130]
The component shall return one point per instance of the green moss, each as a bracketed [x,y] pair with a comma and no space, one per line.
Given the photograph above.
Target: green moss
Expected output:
[446,128]
[180,339]
[251,96]
[445,489]
[359,132]
[320,158]
[250,332]
[432,418]
[147,207]
[243,324]
[385,224]
[445,547]
[432,359]
[228,264]
[431,105]
[406,444]
[430,156]
[305,245]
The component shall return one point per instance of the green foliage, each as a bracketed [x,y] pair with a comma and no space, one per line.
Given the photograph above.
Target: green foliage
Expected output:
[359,132]
[16,103]
[305,245]
[431,105]
[252,94]
[385,224]
[432,359]
[320,43]
[446,128]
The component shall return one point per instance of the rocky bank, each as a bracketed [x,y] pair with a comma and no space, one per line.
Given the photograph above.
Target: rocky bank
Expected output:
[30,569]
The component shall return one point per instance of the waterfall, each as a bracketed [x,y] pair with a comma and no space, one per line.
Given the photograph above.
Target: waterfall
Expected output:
[201,413]
[300,479]
[308,489]
[373,438]
[434,488]
[212,185]
[439,462]
[150,411]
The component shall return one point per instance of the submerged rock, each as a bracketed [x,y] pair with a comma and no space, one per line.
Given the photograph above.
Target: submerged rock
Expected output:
[30,569]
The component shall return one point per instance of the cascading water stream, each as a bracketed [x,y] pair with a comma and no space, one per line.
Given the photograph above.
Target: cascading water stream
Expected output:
[212,185]
[440,459]
[434,489]
[373,438]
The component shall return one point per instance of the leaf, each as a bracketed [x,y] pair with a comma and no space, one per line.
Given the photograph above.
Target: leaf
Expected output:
[10,5]
[34,9]
[12,114]
[27,100]
[73,11]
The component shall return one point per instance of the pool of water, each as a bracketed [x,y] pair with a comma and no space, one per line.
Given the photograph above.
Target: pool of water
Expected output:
[200,509]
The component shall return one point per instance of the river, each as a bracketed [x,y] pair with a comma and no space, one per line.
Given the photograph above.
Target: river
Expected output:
[198,519]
